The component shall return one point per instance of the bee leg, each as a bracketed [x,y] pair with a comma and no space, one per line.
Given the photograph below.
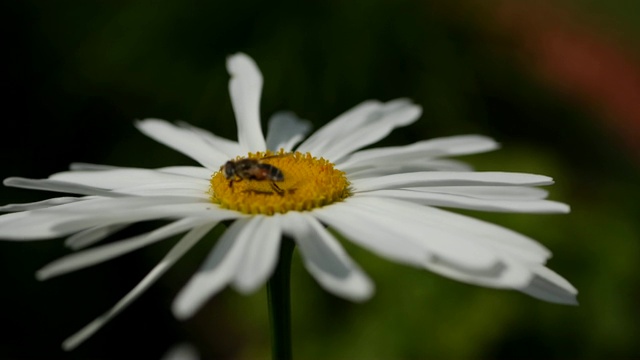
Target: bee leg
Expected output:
[277,189]
[232,181]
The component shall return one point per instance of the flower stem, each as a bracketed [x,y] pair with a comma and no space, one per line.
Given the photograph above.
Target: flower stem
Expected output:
[280,304]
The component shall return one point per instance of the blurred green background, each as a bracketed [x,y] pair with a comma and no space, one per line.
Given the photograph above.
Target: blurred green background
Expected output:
[557,84]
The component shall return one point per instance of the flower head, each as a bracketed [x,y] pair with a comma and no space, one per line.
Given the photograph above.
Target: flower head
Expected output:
[383,199]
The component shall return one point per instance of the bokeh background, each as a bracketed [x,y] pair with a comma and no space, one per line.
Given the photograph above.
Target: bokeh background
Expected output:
[557,83]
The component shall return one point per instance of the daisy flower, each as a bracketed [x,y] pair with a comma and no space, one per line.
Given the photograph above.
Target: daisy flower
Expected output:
[386,200]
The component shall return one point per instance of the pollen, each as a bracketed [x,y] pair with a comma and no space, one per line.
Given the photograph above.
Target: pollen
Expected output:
[303,183]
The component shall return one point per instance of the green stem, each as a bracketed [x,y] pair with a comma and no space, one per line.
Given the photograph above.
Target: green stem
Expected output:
[280,304]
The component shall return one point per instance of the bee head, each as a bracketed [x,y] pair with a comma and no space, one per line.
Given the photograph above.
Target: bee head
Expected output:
[228,169]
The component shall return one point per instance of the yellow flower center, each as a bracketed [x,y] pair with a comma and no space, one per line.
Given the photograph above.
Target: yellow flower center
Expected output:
[268,183]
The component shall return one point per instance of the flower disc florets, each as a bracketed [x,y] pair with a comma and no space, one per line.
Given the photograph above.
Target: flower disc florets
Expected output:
[307,183]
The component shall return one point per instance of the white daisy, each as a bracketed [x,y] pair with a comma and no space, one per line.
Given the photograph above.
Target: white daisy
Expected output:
[382,199]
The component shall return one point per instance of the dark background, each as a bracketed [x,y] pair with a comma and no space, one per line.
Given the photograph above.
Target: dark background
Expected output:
[556,83]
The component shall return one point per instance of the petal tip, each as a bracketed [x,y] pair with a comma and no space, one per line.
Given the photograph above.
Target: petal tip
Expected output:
[366,294]
[143,123]
[567,299]
[246,288]
[181,311]
[10,181]
[239,61]
[41,275]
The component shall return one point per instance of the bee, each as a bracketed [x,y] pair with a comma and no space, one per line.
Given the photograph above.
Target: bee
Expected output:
[252,169]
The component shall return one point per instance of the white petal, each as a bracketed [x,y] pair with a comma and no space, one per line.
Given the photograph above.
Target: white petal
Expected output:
[199,190]
[476,231]
[92,235]
[364,125]
[174,254]
[286,130]
[190,171]
[549,286]
[465,202]
[407,222]
[160,212]
[441,165]
[118,178]
[490,192]
[394,114]
[422,150]
[245,88]
[35,225]
[260,256]
[104,205]
[181,352]
[39,204]
[509,273]
[407,167]
[57,186]
[197,172]
[127,180]
[229,147]
[184,141]
[70,218]
[461,248]
[322,139]
[445,178]
[371,232]
[326,260]
[109,251]
[94,167]
[218,269]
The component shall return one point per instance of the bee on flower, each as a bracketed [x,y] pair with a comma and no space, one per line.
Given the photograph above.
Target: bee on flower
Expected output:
[384,199]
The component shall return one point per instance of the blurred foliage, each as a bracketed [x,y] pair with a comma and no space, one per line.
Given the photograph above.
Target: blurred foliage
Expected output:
[80,73]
